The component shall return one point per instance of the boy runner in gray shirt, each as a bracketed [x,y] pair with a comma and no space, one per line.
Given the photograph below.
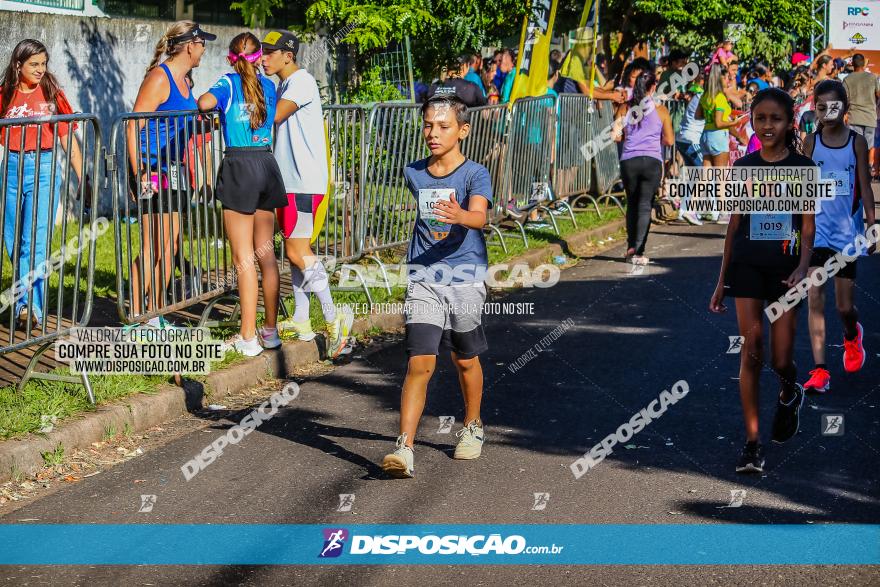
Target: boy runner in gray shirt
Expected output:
[447,264]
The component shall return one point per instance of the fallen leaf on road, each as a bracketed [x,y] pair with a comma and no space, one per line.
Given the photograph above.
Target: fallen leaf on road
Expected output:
[71,478]
[675,513]
[139,480]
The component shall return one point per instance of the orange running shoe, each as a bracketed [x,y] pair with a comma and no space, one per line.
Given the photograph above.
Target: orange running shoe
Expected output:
[819,382]
[854,352]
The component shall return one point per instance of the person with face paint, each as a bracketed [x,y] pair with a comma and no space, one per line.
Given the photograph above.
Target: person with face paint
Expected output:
[28,89]
[758,266]
[842,155]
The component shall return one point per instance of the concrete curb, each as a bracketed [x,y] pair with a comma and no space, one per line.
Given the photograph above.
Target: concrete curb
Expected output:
[140,412]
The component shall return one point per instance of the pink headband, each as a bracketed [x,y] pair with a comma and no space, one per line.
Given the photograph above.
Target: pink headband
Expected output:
[252,58]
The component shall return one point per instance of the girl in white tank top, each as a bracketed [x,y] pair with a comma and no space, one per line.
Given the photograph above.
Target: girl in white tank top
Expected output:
[842,156]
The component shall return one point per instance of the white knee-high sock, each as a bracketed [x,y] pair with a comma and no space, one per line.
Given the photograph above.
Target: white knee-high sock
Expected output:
[316,281]
[300,297]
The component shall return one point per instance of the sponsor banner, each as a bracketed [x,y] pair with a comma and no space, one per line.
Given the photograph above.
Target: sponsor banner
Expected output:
[854,24]
[642,544]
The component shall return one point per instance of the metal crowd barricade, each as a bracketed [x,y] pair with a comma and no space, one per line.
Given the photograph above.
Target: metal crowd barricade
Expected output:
[676,114]
[530,145]
[48,271]
[572,171]
[394,140]
[487,145]
[171,250]
[606,159]
[340,236]
[346,131]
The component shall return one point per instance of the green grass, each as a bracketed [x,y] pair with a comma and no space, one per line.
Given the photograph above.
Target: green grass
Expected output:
[21,413]
[54,457]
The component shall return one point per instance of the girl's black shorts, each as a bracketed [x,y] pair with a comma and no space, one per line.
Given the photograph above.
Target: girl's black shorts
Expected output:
[760,282]
[249,179]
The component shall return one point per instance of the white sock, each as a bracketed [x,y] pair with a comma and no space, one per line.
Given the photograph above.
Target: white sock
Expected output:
[318,283]
[300,297]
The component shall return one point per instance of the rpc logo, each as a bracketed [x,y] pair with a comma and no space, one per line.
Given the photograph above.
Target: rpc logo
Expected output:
[856,11]
[334,542]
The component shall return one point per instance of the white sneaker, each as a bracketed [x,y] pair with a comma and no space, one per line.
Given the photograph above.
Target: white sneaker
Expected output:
[691,218]
[302,330]
[161,323]
[269,338]
[249,348]
[399,464]
[338,331]
[470,443]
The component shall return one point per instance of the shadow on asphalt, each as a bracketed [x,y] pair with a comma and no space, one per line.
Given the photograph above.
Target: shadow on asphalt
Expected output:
[634,336]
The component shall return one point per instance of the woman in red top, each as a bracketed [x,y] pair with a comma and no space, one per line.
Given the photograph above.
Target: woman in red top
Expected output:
[28,90]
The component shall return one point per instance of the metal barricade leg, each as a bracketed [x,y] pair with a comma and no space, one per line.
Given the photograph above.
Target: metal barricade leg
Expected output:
[31,373]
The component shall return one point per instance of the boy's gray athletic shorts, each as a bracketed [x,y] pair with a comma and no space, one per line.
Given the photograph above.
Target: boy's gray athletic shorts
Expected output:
[450,315]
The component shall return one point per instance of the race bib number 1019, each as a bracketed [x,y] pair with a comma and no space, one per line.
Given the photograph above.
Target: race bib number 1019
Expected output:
[427,200]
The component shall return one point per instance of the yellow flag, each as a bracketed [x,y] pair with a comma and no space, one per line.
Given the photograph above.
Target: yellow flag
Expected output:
[321,212]
[577,63]
[533,61]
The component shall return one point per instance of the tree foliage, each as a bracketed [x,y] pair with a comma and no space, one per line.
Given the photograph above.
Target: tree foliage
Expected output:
[255,12]
[438,29]
[772,27]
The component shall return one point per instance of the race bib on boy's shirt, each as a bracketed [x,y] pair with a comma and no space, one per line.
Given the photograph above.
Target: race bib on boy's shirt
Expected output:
[428,198]
[841,181]
[769,227]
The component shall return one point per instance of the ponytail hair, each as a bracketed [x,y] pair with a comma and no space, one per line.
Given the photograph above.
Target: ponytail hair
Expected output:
[642,86]
[246,44]
[786,102]
[164,48]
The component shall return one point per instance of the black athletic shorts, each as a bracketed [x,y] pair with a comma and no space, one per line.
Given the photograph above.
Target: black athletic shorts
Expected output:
[822,254]
[760,282]
[249,179]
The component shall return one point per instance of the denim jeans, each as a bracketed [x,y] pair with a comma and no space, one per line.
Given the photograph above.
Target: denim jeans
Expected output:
[33,244]
[691,153]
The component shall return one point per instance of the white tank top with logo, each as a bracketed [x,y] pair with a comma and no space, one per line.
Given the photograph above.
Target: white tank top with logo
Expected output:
[840,220]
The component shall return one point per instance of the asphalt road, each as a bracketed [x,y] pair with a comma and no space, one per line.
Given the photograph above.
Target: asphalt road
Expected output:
[632,337]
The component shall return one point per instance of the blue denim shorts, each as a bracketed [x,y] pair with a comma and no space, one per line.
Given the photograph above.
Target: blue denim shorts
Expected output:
[715,142]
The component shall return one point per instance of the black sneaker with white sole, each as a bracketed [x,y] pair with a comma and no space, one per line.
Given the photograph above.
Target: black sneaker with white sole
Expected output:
[751,460]
[788,416]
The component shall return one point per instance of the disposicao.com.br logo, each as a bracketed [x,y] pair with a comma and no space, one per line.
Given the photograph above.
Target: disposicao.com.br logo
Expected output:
[430,544]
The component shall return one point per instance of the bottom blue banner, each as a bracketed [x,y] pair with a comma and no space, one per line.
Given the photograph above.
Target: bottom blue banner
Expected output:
[265,544]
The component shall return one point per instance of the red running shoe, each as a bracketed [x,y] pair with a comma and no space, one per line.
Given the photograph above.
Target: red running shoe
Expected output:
[819,382]
[854,352]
